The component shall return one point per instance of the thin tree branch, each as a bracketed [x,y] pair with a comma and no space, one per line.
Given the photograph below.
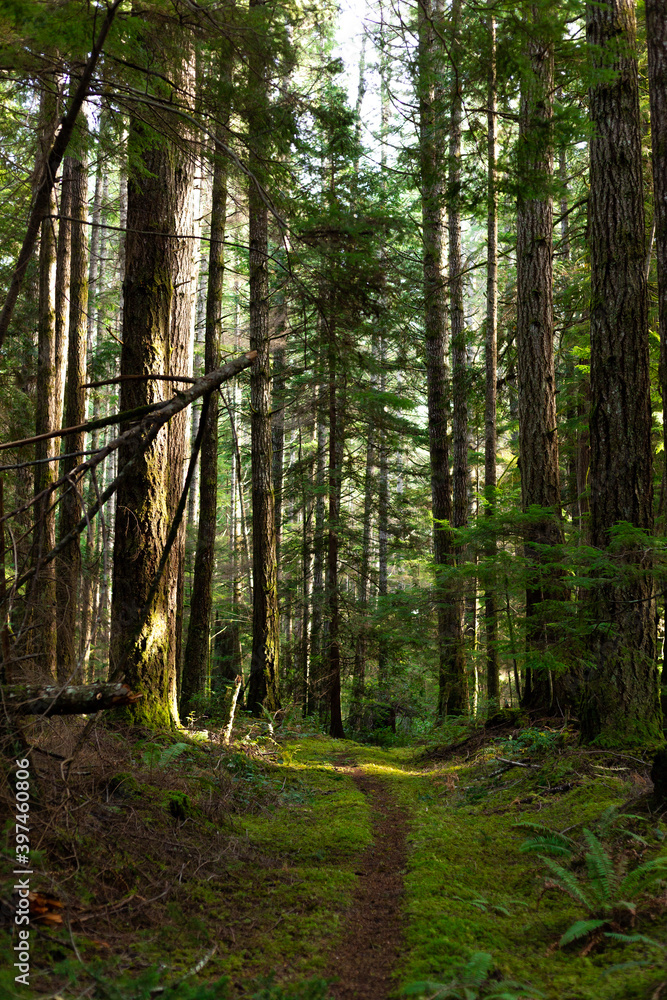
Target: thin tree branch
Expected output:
[40,203]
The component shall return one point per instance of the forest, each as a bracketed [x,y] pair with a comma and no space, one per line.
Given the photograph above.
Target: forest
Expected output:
[333,499]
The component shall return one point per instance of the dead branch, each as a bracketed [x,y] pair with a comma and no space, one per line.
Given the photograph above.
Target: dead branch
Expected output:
[72,699]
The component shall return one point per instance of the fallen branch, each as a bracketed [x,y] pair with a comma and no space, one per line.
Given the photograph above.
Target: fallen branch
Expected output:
[515,763]
[72,699]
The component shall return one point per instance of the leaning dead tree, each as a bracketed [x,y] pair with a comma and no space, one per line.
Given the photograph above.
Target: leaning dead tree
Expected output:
[144,425]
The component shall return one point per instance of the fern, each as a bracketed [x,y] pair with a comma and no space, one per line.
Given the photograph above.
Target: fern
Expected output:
[568,882]
[642,877]
[600,869]
[472,983]
[580,929]
[546,841]
[154,757]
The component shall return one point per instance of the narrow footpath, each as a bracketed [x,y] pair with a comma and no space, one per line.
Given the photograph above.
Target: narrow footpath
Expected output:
[361,966]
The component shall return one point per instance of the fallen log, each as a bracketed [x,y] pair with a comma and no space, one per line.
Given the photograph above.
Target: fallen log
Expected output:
[68,699]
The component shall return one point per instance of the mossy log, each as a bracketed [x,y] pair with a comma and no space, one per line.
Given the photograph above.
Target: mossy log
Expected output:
[70,699]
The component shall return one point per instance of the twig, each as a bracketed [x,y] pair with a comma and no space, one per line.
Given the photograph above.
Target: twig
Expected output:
[515,763]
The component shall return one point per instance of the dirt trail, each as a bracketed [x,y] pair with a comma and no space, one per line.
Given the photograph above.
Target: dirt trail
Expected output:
[363,962]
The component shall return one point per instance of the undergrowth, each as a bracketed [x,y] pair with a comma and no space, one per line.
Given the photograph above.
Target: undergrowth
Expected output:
[188,870]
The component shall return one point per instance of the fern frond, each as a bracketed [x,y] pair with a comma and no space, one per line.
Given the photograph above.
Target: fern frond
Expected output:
[643,877]
[635,939]
[600,869]
[580,929]
[568,882]
[477,969]
[169,754]
[551,843]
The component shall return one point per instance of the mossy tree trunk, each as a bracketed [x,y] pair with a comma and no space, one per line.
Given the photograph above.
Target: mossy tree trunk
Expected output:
[155,338]
[620,702]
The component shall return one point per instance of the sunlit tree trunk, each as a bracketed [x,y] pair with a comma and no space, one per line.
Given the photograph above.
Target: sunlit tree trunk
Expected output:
[68,566]
[42,640]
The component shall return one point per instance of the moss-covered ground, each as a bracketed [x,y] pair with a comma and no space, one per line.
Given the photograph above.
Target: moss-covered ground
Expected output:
[247,857]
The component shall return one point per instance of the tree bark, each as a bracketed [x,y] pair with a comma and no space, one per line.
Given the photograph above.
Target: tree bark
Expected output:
[316,633]
[264,685]
[491,360]
[334,482]
[656,35]
[196,659]
[70,699]
[457,702]
[68,566]
[42,640]
[142,510]
[538,436]
[620,702]
[432,159]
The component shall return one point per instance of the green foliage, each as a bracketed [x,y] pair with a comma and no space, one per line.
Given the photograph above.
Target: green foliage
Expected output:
[545,841]
[473,982]
[602,890]
[159,757]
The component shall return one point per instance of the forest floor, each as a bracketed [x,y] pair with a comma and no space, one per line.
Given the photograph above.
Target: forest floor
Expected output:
[290,866]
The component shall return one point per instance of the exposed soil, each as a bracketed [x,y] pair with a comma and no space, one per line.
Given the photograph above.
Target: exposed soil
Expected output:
[364,960]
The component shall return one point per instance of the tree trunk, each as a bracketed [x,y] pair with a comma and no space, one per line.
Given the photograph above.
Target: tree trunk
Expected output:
[360,649]
[181,340]
[316,633]
[620,703]
[68,565]
[491,362]
[457,702]
[196,659]
[383,533]
[42,640]
[333,596]
[538,436]
[450,636]
[278,439]
[142,510]
[264,688]
[63,267]
[656,34]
